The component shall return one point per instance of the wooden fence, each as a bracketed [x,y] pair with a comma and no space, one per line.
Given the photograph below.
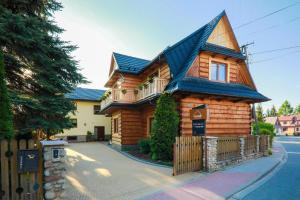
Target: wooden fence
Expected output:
[13,185]
[263,143]
[250,146]
[187,154]
[228,148]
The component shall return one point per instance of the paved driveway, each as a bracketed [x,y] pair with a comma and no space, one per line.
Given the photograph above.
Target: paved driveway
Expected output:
[96,172]
[285,184]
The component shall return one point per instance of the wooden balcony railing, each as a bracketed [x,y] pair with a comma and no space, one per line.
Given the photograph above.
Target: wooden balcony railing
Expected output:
[132,95]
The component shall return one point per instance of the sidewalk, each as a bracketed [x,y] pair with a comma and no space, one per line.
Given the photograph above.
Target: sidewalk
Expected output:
[226,183]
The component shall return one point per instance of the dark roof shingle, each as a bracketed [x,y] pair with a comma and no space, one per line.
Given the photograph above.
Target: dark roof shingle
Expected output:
[204,86]
[129,64]
[85,94]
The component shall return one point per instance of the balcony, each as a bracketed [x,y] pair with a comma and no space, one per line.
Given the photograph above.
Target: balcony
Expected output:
[133,95]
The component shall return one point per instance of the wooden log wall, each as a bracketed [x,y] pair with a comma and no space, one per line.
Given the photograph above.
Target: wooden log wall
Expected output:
[116,137]
[147,112]
[200,68]
[225,117]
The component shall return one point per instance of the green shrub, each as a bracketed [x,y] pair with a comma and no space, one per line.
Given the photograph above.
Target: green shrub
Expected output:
[263,125]
[144,145]
[264,129]
[164,128]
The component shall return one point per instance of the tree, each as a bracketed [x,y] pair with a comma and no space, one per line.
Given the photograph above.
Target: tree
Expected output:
[6,128]
[39,67]
[297,109]
[273,112]
[164,128]
[259,113]
[285,108]
[268,112]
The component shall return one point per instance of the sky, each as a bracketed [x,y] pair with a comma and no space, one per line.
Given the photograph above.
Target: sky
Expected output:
[144,28]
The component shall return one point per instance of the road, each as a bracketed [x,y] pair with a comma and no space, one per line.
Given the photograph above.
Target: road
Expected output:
[285,184]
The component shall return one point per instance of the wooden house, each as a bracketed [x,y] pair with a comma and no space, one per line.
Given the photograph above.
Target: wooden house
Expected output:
[205,71]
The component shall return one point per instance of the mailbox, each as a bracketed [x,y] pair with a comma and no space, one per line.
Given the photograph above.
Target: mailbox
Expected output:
[28,160]
[57,154]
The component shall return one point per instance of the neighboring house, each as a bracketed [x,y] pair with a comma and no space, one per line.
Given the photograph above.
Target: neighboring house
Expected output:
[289,124]
[87,116]
[277,125]
[205,72]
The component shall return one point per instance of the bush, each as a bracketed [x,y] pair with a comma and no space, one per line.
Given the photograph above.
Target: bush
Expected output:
[144,145]
[164,128]
[263,125]
[264,129]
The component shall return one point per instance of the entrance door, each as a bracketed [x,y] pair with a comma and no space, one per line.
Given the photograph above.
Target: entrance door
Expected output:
[99,131]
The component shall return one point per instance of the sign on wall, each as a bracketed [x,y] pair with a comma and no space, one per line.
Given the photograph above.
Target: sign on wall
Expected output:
[199,115]
[198,127]
[199,112]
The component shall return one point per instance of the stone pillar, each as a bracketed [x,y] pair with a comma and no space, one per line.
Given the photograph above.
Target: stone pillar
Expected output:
[210,147]
[242,148]
[54,169]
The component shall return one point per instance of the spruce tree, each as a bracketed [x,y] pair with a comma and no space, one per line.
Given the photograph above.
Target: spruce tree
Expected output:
[273,112]
[285,108]
[259,113]
[164,128]
[39,67]
[6,127]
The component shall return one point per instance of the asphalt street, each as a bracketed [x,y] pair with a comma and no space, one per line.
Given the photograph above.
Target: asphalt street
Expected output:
[285,184]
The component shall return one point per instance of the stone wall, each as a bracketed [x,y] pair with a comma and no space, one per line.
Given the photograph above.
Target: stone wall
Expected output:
[210,149]
[54,169]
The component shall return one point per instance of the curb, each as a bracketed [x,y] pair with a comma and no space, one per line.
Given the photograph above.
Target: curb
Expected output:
[138,159]
[253,185]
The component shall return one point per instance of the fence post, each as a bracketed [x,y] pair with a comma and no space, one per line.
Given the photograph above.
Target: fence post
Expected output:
[211,153]
[54,169]
[257,144]
[242,147]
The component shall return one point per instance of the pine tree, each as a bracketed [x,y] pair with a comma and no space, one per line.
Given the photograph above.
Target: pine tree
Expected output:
[259,113]
[164,128]
[297,109]
[285,108]
[273,112]
[6,127]
[39,67]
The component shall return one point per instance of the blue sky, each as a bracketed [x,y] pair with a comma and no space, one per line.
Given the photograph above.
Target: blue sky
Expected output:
[144,28]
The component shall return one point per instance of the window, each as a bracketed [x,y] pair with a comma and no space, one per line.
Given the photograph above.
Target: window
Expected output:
[74,123]
[71,138]
[284,122]
[116,125]
[150,123]
[97,109]
[218,72]
[284,129]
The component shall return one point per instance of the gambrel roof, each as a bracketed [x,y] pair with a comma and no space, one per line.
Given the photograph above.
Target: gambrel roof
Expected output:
[181,56]
[130,64]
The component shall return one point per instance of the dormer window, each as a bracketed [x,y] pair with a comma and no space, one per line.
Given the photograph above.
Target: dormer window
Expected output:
[218,72]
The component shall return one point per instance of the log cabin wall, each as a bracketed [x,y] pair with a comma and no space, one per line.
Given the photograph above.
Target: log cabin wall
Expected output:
[200,68]
[225,117]
[130,81]
[131,125]
[147,113]
[116,136]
